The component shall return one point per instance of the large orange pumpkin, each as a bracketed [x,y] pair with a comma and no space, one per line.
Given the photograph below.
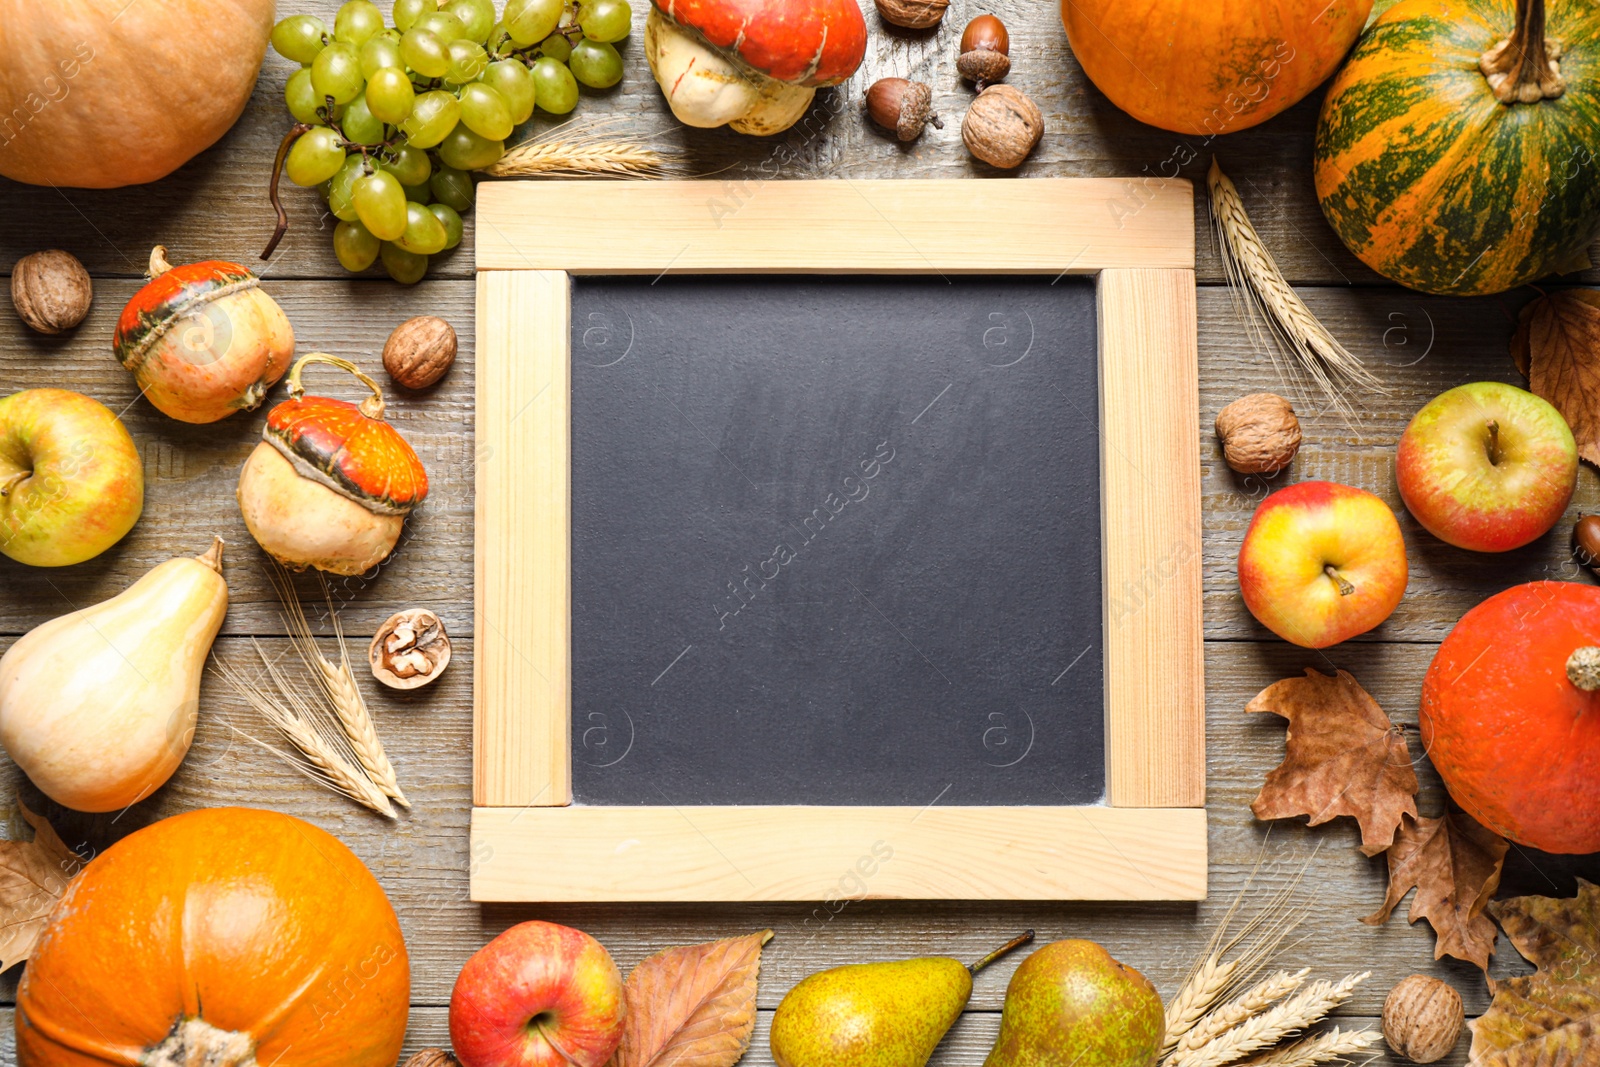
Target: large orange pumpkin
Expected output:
[229,937]
[1511,715]
[104,93]
[1209,67]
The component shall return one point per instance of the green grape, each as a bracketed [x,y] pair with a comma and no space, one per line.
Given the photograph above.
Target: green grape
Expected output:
[467,61]
[299,38]
[409,165]
[432,116]
[407,268]
[444,26]
[360,124]
[476,15]
[499,41]
[452,187]
[354,244]
[340,187]
[424,52]
[485,112]
[380,204]
[465,150]
[554,87]
[417,194]
[596,64]
[528,21]
[450,220]
[336,72]
[605,21]
[315,157]
[557,47]
[390,95]
[303,100]
[380,53]
[511,80]
[356,21]
[425,234]
[407,12]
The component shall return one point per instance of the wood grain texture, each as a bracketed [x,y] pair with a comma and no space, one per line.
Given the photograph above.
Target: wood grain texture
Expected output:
[522,540]
[802,853]
[1151,539]
[862,226]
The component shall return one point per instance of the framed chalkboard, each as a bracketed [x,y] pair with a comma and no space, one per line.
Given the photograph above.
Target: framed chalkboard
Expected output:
[807,532]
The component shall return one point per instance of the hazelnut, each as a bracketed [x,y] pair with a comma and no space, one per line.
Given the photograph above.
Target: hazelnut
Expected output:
[409,650]
[1422,1018]
[1259,433]
[902,106]
[419,351]
[51,290]
[1002,126]
[1586,541]
[912,14]
[985,51]
[433,1057]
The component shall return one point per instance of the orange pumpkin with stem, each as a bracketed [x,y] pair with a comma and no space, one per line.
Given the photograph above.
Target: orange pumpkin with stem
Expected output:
[1511,715]
[227,936]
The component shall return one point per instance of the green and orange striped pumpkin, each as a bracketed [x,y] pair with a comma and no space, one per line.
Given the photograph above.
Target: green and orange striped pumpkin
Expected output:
[1436,183]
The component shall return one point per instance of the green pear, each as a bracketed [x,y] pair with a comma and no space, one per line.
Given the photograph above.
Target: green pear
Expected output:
[875,1014]
[1071,1005]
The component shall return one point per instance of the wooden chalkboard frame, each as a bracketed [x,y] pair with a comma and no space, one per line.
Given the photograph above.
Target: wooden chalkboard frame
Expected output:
[1147,842]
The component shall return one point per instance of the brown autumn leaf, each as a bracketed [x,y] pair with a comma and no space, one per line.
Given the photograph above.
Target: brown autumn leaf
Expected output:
[33,875]
[1454,864]
[1342,756]
[1553,1015]
[693,1006]
[1557,345]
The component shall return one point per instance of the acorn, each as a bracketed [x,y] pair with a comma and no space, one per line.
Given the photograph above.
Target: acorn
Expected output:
[985,51]
[1586,541]
[902,106]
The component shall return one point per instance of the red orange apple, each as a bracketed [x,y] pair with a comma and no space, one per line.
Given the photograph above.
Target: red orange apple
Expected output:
[539,995]
[1321,563]
[1487,466]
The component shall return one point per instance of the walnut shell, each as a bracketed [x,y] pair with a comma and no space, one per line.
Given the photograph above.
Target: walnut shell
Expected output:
[1002,126]
[409,650]
[1259,433]
[1422,1018]
[51,290]
[912,14]
[433,1057]
[420,351]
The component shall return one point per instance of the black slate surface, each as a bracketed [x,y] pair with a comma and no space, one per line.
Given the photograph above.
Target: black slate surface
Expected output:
[836,541]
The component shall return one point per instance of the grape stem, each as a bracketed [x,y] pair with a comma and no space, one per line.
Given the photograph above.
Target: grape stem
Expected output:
[282,228]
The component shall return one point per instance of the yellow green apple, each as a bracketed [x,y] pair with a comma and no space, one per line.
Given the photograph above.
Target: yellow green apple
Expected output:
[71,484]
[1321,563]
[1487,466]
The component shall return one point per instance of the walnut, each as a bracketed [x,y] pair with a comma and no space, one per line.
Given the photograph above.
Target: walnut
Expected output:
[1002,126]
[433,1057]
[912,14]
[51,290]
[409,650]
[419,351]
[1422,1018]
[1259,433]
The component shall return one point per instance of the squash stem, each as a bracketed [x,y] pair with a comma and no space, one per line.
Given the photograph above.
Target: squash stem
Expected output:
[1525,67]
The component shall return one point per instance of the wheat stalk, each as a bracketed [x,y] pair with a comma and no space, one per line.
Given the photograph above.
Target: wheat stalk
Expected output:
[1263,296]
[1262,1031]
[579,158]
[1336,1044]
[1203,988]
[1253,1000]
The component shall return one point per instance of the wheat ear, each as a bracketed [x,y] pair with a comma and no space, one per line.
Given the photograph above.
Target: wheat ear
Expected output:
[1273,1025]
[1253,1000]
[1336,1044]
[1202,989]
[1263,295]
[556,158]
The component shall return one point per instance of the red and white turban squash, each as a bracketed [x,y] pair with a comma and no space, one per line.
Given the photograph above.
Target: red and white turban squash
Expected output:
[753,65]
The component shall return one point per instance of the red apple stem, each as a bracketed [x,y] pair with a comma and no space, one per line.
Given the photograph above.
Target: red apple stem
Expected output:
[1345,588]
[1494,443]
[1016,942]
[14,481]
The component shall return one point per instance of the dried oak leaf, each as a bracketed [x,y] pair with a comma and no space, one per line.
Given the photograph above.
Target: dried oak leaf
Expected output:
[1557,346]
[1454,864]
[693,1006]
[1553,1015]
[1342,756]
[33,875]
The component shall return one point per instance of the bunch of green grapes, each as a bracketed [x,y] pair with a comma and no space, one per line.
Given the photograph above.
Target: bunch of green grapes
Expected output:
[399,115]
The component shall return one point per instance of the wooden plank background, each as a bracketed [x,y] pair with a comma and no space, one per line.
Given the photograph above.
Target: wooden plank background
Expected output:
[216,207]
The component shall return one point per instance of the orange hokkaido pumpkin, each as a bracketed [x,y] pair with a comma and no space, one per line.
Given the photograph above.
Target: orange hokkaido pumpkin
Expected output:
[1209,67]
[229,937]
[103,93]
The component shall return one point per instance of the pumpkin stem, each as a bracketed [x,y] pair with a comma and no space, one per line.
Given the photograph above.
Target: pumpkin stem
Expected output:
[1525,68]
[212,557]
[158,261]
[1345,588]
[197,1041]
[371,407]
[272,188]
[1583,668]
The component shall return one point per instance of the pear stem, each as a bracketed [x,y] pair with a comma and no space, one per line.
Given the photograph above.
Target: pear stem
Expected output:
[1015,942]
